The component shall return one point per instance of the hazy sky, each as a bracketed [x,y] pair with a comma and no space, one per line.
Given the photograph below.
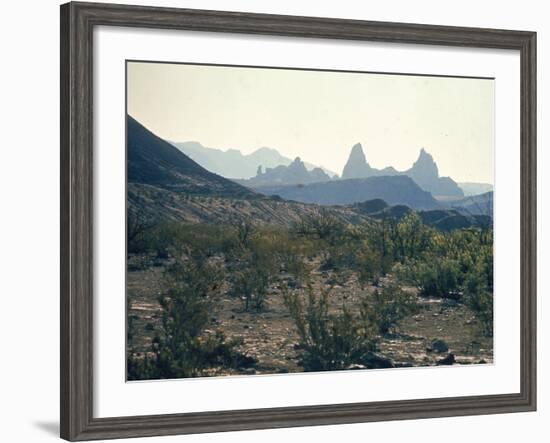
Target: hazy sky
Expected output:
[319,116]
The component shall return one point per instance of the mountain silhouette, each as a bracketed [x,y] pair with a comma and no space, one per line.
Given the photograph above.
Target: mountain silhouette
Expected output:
[470,188]
[395,190]
[295,173]
[481,204]
[232,163]
[424,172]
[153,161]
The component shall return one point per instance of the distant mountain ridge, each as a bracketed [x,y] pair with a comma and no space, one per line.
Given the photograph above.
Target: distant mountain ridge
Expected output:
[235,165]
[153,161]
[394,190]
[442,219]
[424,172]
[470,188]
[294,174]
[165,184]
[481,204]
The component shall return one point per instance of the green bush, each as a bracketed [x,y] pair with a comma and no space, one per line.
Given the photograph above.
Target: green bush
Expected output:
[478,296]
[371,265]
[250,285]
[321,225]
[255,265]
[183,348]
[434,276]
[411,238]
[329,341]
[138,228]
[386,307]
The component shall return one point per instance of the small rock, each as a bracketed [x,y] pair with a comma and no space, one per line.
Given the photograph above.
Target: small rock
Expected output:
[438,346]
[376,361]
[404,365]
[356,366]
[482,362]
[449,360]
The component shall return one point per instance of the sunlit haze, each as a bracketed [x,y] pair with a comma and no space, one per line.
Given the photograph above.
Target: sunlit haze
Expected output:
[319,116]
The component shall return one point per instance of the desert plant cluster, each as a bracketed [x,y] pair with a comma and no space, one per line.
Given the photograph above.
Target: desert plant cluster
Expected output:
[345,289]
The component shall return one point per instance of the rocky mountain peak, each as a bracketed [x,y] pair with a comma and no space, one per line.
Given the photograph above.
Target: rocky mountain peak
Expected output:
[357,153]
[298,166]
[295,173]
[425,165]
[424,172]
[357,165]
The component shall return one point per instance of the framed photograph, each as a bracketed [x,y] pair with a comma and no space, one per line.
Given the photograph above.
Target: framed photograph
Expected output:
[273,221]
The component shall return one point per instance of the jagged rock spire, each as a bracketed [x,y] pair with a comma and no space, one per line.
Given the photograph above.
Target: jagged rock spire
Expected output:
[424,171]
[357,165]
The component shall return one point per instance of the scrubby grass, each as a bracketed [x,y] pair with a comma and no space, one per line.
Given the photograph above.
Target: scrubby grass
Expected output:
[184,349]
[247,262]
[329,341]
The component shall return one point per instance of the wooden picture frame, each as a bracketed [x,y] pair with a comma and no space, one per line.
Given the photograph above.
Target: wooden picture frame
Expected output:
[77,23]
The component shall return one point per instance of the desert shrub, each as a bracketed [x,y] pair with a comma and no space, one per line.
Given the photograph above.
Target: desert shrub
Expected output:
[480,301]
[250,285]
[386,307]
[339,257]
[142,367]
[478,290]
[322,225]
[411,237]
[292,260]
[138,227]
[186,308]
[434,276]
[244,233]
[168,239]
[329,341]
[183,348]
[371,265]
[209,239]
[255,266]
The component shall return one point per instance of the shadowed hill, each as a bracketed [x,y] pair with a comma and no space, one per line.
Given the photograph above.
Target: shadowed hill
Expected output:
[162,205]
[442,219]
[481,204]
[395,190]
[153,161]
[294,174]
[234,164]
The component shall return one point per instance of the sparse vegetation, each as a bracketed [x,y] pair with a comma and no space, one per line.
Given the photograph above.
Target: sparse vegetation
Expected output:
[389,265]
[387,306]
[184,349]
[329,341]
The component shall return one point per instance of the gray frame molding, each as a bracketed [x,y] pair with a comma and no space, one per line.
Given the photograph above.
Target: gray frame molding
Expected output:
[77,23]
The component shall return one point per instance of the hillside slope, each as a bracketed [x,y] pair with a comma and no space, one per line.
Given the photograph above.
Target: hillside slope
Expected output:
[394,190]
[234,164]
[153,161]
[162,205]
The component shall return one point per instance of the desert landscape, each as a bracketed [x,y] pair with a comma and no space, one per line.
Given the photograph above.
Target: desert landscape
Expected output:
[259,264]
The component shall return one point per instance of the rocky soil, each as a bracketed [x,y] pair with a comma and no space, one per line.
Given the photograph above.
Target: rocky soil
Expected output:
[439,329]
